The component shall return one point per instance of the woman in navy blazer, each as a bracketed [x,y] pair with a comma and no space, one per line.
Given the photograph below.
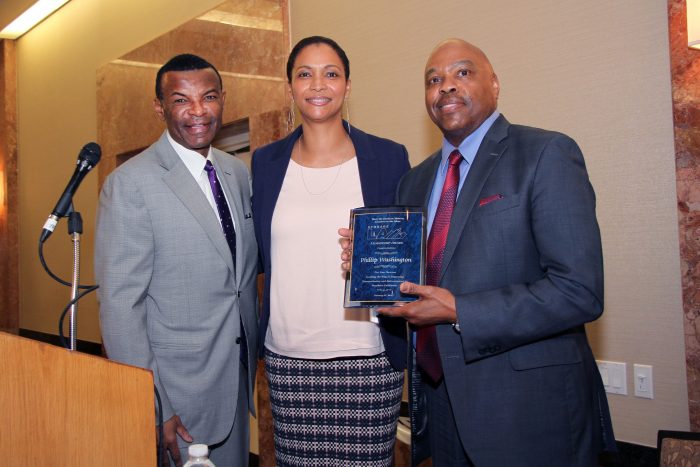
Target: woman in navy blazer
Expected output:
[335,377]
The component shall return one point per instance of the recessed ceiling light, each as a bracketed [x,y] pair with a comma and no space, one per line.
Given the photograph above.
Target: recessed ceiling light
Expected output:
[31,17]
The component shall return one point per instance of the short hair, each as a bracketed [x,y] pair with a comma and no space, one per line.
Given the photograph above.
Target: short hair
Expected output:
[183,62]
[311,40]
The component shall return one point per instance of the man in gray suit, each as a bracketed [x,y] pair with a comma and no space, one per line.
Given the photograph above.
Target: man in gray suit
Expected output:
[514,271]
[176,261]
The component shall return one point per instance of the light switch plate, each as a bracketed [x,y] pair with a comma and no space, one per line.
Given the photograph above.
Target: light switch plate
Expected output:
[614,375]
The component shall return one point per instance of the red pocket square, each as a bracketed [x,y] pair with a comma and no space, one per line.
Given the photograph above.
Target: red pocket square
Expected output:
[490,199]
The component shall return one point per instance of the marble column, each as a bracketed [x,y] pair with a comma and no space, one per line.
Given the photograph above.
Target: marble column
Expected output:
[685,76]
[9,233]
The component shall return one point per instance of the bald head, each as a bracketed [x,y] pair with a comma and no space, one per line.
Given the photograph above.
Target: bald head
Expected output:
[461,88]
[460,44]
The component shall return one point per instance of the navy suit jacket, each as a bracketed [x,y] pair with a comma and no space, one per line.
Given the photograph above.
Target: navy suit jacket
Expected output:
[523,259]
[381,163]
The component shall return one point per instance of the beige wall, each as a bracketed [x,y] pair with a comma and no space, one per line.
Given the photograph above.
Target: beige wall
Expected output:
[56,64]
[597,70]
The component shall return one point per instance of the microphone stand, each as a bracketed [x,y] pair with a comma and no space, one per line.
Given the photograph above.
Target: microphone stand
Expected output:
[75,228]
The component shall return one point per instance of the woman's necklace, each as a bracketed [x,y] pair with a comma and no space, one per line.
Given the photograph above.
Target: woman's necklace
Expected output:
[303,179]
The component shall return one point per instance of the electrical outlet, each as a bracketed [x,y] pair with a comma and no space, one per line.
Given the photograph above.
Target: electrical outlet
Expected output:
[643,381]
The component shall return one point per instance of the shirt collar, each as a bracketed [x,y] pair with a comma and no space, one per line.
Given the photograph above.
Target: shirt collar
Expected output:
[192,159]
[470,145]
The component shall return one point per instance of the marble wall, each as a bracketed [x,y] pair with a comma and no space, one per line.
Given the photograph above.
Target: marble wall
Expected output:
[247,42]
[9,234]
[685,77]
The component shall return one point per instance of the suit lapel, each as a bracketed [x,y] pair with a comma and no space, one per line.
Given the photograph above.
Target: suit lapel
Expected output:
[370,179]
[273,169]
[186,189]
[427,178]
[492,147]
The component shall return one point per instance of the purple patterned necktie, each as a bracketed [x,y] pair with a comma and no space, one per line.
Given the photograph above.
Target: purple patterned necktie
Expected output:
[427,350]
[230,234]
[223,209]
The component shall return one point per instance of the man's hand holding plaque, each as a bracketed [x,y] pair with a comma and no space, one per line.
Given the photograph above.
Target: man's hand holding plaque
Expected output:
[434,305]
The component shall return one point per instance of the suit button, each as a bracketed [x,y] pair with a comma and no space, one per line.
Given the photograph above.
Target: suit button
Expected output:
[238,340]
[482,351]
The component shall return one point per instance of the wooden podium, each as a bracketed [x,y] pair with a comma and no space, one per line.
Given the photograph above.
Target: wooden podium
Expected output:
[59,407]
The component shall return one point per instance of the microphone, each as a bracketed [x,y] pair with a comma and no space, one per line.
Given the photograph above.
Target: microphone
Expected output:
[87,159]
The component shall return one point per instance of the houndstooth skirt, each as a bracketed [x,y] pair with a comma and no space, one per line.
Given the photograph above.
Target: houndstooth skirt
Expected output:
[339,412]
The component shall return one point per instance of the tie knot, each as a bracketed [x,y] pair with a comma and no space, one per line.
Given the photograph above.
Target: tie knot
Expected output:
[455,157]
[208,166]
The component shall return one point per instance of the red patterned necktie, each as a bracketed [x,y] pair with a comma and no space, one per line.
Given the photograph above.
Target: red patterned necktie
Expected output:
[427,351]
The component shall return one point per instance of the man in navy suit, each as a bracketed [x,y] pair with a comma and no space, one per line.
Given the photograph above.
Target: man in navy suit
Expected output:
[512,380]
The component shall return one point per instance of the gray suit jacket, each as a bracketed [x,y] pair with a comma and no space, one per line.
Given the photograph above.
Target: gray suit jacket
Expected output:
[523,259]
[171,299]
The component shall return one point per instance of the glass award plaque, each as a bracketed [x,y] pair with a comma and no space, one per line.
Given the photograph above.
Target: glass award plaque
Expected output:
[388,248]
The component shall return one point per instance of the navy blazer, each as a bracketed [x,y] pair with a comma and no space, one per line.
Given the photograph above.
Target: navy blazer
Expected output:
[381,163]
[524,261]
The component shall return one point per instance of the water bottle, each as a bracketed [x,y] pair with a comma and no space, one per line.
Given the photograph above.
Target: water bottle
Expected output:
[199,456]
